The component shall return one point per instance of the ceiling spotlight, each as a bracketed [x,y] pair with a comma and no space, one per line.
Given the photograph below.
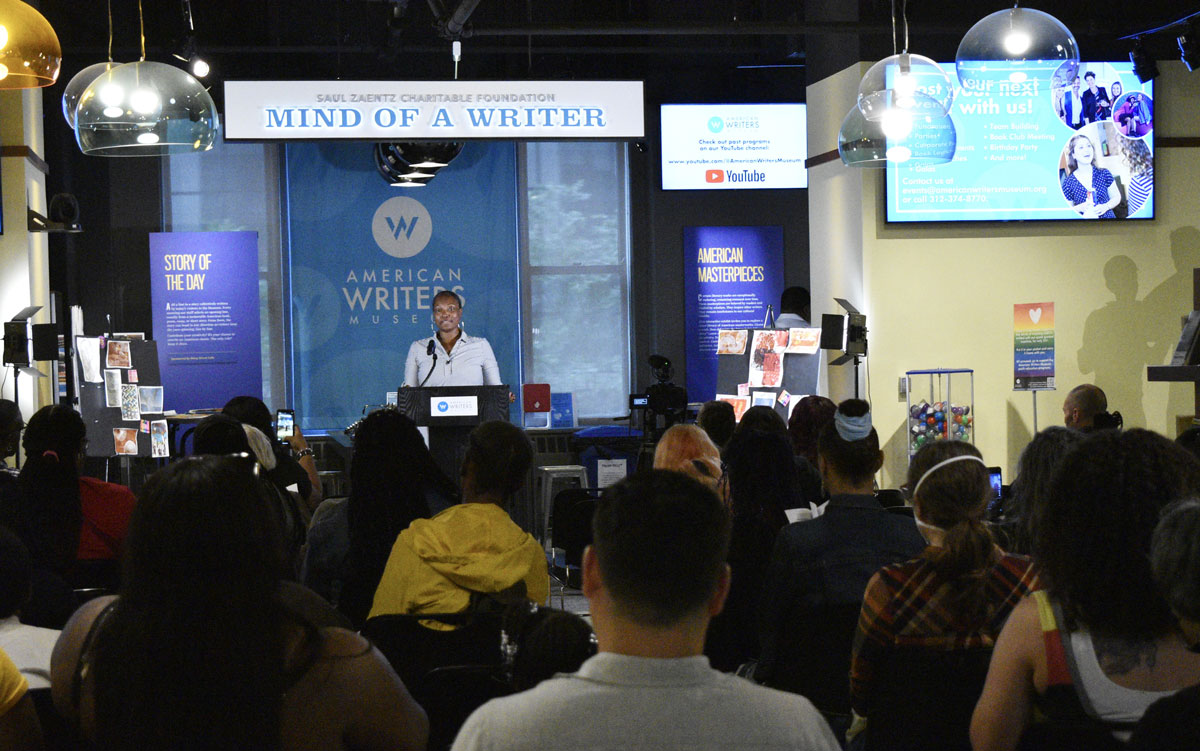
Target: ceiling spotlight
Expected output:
[1189,47]
[199,66]
[1144,66]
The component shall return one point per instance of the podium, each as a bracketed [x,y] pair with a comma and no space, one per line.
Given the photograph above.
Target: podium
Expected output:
[450,413]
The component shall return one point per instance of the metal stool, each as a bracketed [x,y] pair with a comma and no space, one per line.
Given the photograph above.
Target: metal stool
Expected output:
[547,482]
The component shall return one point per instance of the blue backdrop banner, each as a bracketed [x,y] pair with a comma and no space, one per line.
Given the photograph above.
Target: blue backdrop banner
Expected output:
[730,276]
[367,259]
[204,294]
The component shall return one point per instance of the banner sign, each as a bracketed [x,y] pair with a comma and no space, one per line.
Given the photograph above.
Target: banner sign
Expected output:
[367,259]
[1033,346]
[730,276]
[447,110]
[204,294]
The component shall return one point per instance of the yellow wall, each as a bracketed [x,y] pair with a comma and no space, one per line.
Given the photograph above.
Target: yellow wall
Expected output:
[942,296]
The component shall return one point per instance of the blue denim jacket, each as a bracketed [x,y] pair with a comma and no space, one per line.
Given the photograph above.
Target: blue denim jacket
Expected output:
[813,593]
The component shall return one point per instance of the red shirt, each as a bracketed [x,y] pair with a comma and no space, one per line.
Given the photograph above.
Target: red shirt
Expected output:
[106,511]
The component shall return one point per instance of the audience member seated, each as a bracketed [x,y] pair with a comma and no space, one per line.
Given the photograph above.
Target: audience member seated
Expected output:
[436,564]
[1173,723]
[1190,440]
[294,462]
[1085,407]
[928,624]
[820,568]
[688,449]
[11,426]
[809,417]
[73,526]
[19,726]
[549,642]
[1031,488]
[201,650]
[654,576]
[716,418]
[768,420]
[222,435]
[762,483]
[1101,636]
[29,647]
[393,480]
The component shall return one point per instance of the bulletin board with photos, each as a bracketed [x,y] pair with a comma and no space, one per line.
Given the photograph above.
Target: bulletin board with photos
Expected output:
[767,367]
[121,396]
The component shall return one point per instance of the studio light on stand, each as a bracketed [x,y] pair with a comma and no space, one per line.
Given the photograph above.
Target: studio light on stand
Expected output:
[1016,46]
[845,333]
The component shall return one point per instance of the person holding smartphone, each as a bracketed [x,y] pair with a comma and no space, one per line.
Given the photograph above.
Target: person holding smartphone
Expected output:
[294,461]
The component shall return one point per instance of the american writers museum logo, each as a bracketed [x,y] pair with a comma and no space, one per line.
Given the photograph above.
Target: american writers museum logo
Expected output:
[401,227]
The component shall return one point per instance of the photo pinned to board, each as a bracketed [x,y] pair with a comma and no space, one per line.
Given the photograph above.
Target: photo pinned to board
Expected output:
[150,399]
[112,388]
[129,402]
[125,441]
[159,448]
[118,354]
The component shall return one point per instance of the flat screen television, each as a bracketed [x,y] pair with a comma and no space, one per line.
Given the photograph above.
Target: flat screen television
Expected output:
[733,146]
[1019,148]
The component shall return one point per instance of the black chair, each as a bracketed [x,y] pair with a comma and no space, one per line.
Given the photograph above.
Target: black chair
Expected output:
[814,659]
[449,673]
[59,735]
[571,532]
[924,698]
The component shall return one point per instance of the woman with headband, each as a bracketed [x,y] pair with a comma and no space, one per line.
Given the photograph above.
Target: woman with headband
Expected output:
[955,596]
[1101,644]
[820,568]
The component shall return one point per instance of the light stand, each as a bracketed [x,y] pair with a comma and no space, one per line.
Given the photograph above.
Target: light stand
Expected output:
[16,351]
[846,333]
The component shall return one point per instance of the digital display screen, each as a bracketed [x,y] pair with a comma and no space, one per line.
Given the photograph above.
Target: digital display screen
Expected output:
[734,146]
[1072,149]
[284,424]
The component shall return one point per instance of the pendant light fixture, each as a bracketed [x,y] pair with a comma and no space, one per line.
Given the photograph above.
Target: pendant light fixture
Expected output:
[1016,47]
[30,55]
[904,83]
[902,113]
[414,163]
[145,109]
[927,140]
[79,83]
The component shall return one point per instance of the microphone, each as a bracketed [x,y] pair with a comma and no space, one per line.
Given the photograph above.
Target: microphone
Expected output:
[429,351]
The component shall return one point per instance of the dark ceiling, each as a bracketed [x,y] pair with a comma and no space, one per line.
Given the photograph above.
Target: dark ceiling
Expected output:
[675,40]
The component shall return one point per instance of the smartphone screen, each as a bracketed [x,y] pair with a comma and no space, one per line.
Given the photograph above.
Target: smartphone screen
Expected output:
[285,422]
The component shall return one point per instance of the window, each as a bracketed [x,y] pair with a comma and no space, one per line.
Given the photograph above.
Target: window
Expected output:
[575,272]
[236,187]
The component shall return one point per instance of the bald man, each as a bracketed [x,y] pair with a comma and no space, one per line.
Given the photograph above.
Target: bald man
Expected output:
[1082,405]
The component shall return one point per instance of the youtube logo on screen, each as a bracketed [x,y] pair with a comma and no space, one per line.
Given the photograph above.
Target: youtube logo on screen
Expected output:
[714,176]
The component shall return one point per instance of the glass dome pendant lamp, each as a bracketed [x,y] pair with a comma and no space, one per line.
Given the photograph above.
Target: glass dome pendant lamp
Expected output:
[81,80]
[145,109]
[1016,47]
[902,113]
[30,55]
[904,83]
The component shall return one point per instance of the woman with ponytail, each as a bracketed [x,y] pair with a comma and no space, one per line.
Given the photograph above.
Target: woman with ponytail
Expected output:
[955,596]
[74,526]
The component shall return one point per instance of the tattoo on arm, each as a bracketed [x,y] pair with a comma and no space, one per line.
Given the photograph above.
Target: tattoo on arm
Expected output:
[1120,656]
